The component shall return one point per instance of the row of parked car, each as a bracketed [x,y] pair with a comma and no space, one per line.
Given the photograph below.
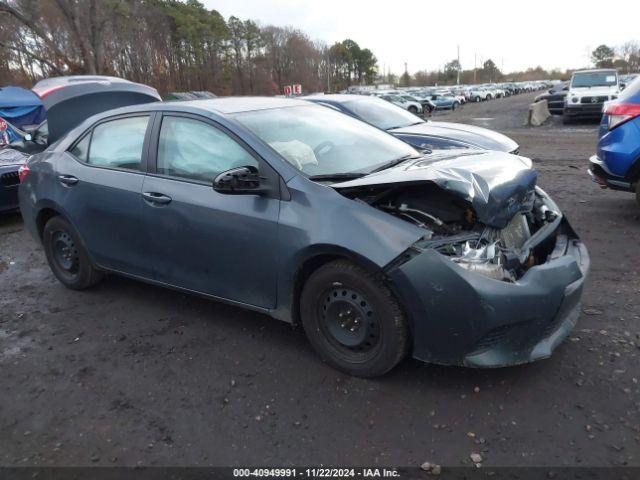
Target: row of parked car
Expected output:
[379,232]
[425,100]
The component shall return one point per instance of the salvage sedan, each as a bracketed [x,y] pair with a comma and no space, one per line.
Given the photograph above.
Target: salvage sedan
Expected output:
[318,219]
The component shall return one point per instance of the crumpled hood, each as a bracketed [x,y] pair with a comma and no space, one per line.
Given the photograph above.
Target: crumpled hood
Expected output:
[497,184]
[476,136]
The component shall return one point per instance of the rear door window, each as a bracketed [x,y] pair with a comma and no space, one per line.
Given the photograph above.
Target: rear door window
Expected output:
[118,143]
[81,149]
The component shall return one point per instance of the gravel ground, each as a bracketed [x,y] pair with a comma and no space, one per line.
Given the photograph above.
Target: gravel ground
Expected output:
[132,374]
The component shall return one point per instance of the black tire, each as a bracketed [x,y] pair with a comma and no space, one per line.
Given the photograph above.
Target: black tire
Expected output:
[67,256]
[566,119]
[413,109]
[477,99]
[353,320]
[489,97]
[455,105]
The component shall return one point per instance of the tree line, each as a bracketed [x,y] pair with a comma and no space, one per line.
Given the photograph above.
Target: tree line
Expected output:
[179,45]
[172,45]
[625,57]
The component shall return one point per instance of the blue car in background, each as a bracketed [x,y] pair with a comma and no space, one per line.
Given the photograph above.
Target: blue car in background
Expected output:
[444,102]
[424,134]
[616,164]
[19,109]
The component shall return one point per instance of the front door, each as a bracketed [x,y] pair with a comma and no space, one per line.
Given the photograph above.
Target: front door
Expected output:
[215,243]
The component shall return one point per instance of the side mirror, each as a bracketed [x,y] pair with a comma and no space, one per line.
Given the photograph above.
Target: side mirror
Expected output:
[238,181]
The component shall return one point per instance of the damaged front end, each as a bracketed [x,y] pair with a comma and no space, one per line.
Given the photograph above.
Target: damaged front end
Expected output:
[497,277]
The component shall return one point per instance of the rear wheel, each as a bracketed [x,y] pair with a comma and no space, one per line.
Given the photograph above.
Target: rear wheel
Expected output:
[413,109]
[353,320]
[455,105]
[477,99]
[66,255]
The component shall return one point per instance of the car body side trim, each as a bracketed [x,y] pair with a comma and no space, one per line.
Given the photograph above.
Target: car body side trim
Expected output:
[152,281]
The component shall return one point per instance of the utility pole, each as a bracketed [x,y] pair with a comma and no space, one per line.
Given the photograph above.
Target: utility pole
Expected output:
[328,75]
[475,59]
[459,67]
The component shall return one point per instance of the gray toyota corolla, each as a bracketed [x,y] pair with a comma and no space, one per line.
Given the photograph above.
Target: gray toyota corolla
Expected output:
[313,217]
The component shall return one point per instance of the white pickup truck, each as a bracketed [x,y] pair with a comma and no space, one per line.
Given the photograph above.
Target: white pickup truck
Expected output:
[588,91]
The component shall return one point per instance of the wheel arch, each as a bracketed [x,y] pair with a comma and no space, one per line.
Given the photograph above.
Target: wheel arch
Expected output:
[43,216]
[309,260]
[633,174]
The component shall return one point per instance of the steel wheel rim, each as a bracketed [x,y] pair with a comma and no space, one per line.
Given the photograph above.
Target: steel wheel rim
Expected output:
[65,253]
[349,321]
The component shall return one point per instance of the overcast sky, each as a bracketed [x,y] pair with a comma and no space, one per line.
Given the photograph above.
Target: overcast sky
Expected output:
[425,34]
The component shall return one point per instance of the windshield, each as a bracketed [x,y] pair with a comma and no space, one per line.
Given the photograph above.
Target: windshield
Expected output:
[594,79]
[320,141]
[381,114]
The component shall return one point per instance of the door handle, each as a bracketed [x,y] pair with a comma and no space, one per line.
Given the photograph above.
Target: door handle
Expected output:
[158,198]
[68,180]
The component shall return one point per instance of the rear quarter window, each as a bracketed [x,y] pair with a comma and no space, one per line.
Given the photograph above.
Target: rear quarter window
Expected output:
[81,149]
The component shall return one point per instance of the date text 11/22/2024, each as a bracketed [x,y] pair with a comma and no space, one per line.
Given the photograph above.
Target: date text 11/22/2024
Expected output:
[319,472]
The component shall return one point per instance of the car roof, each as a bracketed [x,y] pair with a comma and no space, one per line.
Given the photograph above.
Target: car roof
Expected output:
[337,98]
[225,105]
[596,70]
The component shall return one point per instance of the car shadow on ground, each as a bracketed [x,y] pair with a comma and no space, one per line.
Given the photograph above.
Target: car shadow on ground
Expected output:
[11,221]
[265,334]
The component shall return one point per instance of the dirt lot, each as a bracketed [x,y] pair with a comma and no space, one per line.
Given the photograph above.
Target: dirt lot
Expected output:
[131,374]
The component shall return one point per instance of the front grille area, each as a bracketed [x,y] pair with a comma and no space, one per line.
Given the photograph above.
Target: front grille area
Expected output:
[594,99]
[9,179]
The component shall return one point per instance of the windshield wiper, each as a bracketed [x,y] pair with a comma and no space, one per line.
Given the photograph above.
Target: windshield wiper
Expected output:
[405,125]
[337,176]
[393,163]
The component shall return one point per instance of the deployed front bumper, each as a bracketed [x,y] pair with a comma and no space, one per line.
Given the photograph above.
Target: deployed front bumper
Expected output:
[463,318]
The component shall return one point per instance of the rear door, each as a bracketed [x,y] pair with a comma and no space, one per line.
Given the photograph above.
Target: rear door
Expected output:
[99,187]
[202,240]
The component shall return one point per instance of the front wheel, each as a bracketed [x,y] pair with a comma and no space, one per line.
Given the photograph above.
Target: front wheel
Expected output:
[67,257]
[478,99]
[413,109]
[566,119]
[455,105]
[353,320]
